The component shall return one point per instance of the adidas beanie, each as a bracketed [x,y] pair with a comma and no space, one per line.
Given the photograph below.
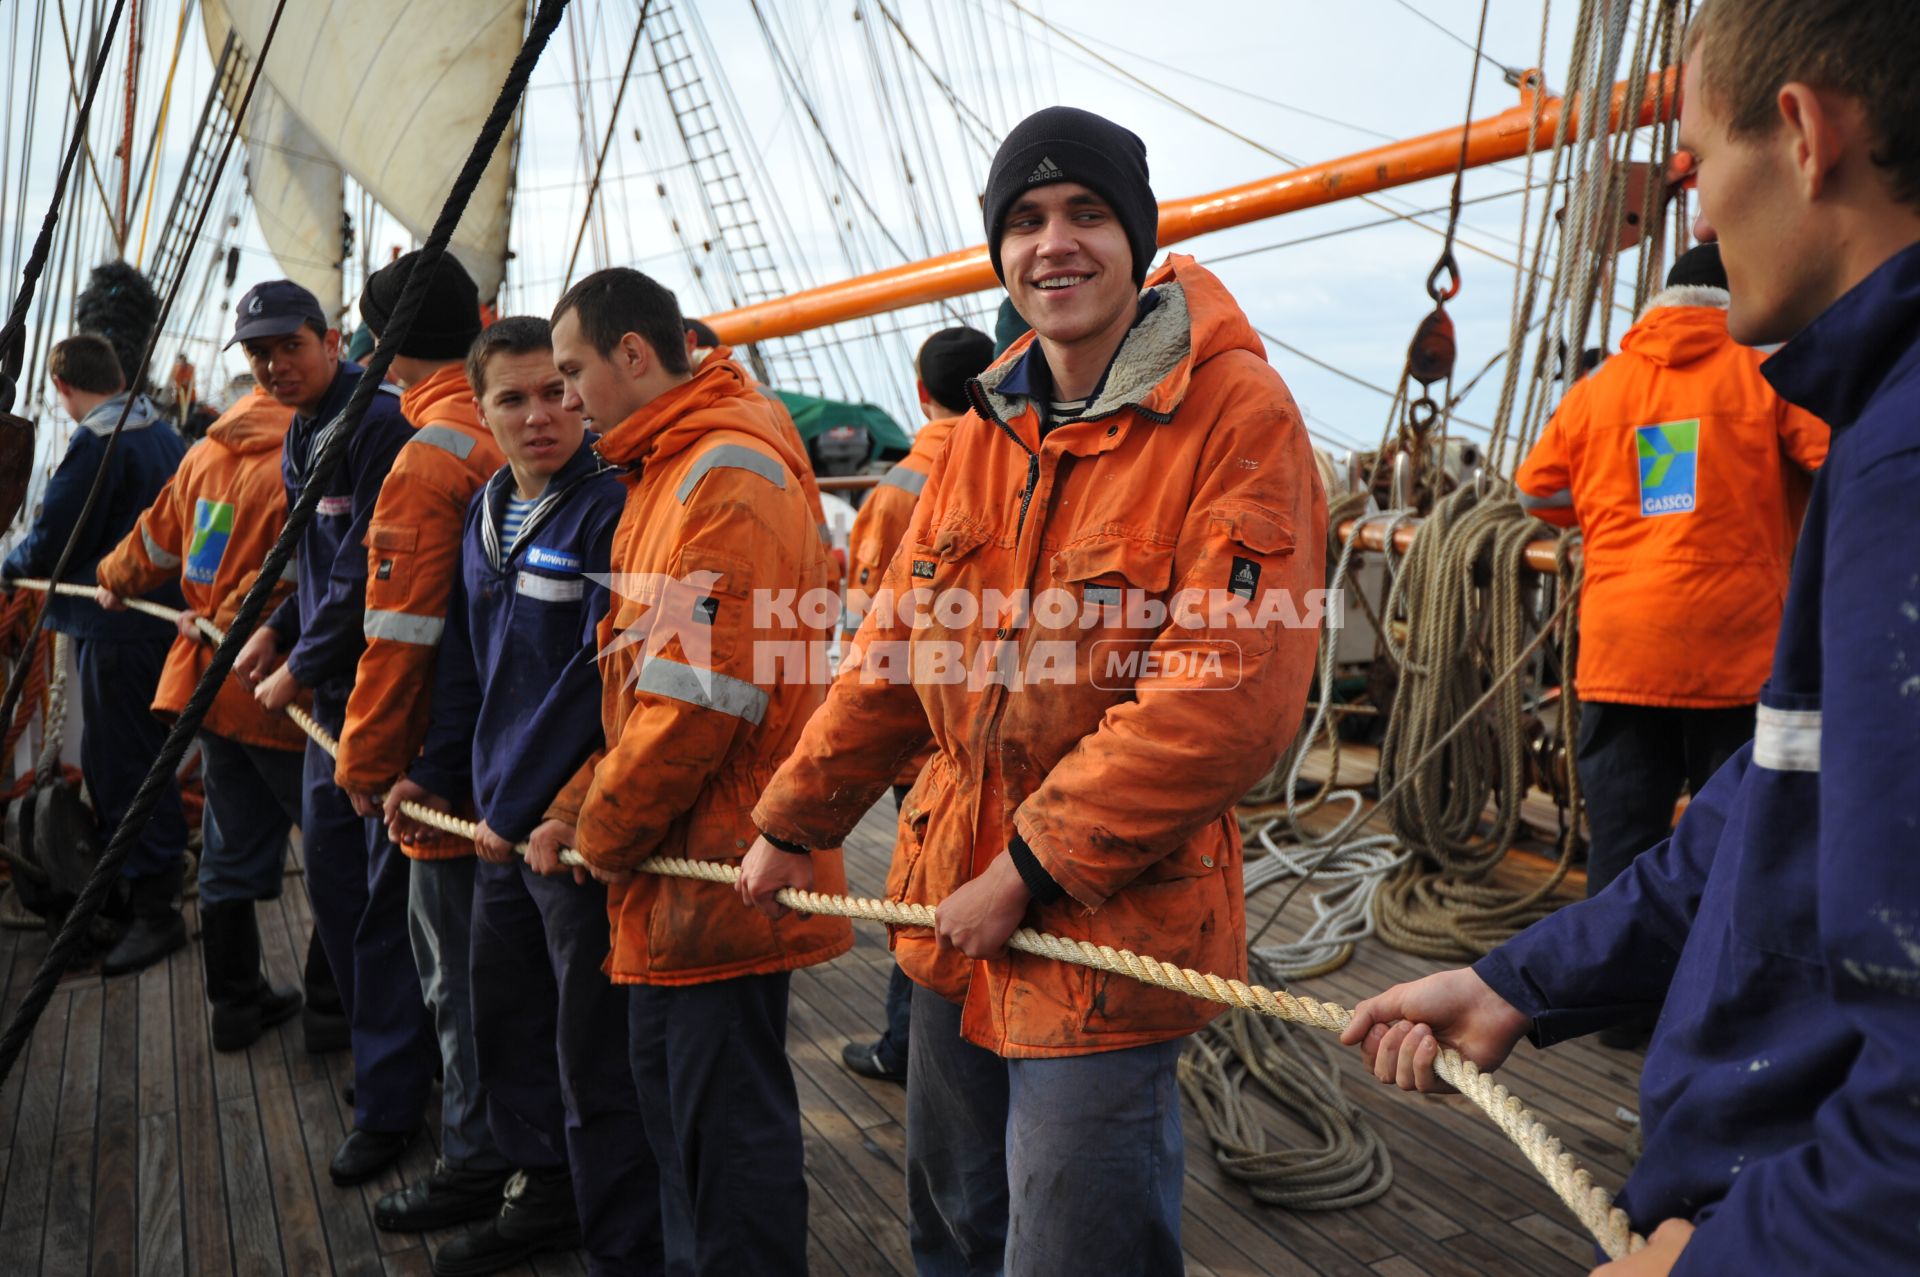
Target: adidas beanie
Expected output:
[1065,144]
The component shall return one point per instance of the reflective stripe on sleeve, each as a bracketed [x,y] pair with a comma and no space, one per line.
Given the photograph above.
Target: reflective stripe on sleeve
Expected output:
[404,627]
[161,556]
[731,456]
[1787,740]
[445,438]
[548,589]
[906,480]
[708,689]
[335,506]
[1560,500]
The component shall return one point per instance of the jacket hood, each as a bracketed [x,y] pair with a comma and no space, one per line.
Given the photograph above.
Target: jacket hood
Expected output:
[1680,326]
[106,416]
[444,397]
[719,396]
[255,424]
[1193,319]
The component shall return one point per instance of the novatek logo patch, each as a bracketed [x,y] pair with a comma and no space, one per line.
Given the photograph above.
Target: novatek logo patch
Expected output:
[1045,171]
[540,556]
[1669,467]
[212,529]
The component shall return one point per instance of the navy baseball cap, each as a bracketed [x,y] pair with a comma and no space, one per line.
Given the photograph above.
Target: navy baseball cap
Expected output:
[274,309]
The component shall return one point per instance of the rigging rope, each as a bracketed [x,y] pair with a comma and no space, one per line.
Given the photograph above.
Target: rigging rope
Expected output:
[73,932]
[1590,1203]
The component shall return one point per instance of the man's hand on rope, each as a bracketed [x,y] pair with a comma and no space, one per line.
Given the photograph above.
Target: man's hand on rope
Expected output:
[108,600]
[766,871]
[1400,1032]
[277,691]
[402,828]
[491,847]
[543,850]
[187,626]
[258,658]
[978,917]
[1657,1260]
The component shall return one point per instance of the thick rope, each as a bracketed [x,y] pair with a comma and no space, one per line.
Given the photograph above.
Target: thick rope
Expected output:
[1591,1204]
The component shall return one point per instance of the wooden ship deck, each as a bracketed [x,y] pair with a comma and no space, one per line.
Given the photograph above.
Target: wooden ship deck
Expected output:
[128,1145]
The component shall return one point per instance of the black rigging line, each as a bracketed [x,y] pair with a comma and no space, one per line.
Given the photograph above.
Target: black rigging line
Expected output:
[13,335]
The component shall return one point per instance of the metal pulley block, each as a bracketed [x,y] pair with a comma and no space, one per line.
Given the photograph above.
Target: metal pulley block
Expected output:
[1430,357]
[64,836]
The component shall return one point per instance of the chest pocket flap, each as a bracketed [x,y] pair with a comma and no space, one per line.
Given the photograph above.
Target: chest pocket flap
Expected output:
[1144,565]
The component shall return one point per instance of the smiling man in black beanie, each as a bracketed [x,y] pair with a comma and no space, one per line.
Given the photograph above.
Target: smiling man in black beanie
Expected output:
[1134,449]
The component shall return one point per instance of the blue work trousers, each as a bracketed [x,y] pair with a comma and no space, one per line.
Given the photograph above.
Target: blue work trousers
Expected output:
[550,1036]
[119,738]
[1090,1146]
[253,803]
[357,880]
[717,1094]
[440,924]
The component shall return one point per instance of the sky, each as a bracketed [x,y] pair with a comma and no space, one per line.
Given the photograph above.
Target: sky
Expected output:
[1295,78]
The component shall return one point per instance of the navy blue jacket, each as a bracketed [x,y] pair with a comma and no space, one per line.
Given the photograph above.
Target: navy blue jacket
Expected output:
[148,453]
[1781,922]
[323,620]
[516,697]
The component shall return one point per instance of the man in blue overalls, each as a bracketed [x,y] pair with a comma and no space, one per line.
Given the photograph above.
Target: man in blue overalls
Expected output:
[118,654]
[516,712]
[1778,930]
[356,879]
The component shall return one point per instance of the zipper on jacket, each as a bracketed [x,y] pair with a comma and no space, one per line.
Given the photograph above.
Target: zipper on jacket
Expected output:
[980,405]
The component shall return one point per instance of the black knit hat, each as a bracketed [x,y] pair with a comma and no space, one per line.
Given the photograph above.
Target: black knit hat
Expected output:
[1065,144]
[449,317]
[951,358]
[1698,267]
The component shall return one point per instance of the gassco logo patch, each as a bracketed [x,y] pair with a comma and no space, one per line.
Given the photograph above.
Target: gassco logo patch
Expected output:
[1669,467]
[212,528]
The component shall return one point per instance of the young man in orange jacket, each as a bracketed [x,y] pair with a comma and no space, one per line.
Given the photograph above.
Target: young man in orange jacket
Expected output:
[413,560]
[209,530]
[1678,462]
[1106,599]
[947,361]
[715,545]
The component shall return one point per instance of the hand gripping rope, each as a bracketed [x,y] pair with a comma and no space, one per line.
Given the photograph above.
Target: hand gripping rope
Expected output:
[1590,1203]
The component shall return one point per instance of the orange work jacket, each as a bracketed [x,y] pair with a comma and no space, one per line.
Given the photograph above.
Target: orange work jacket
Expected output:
[210,528]
[877,532]
[413,556]
[712,554]
[1170,547]
[1681,466]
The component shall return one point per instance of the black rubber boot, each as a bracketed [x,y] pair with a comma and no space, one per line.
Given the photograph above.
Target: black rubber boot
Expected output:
[244,1004]
[537,1216]
[446,1197]
[323,1021]
[157,928]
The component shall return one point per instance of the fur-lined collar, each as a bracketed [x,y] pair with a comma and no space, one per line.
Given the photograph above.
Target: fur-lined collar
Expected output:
[1151,350]
[1688,295]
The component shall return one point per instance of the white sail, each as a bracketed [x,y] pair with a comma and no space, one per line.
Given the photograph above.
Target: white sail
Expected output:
[298,191]
[399,90]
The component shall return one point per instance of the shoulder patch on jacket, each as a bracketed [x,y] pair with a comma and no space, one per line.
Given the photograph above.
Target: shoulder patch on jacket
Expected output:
[445,438]
[731,456]
[212,529]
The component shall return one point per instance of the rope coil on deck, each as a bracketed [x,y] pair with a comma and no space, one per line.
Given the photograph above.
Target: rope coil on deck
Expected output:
[1590,1203]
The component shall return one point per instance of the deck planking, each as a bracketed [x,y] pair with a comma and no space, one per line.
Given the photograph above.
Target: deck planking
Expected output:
[128,1145]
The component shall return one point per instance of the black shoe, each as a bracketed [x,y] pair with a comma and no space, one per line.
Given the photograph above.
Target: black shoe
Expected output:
[244,1004]
[364,1154]
[149,940]
[324,1032]
[238,1026]
[537,1216]
[447,1196]
[864,1058]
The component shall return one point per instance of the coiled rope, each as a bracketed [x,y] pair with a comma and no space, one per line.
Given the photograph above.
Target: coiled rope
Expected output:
[1590,1203]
